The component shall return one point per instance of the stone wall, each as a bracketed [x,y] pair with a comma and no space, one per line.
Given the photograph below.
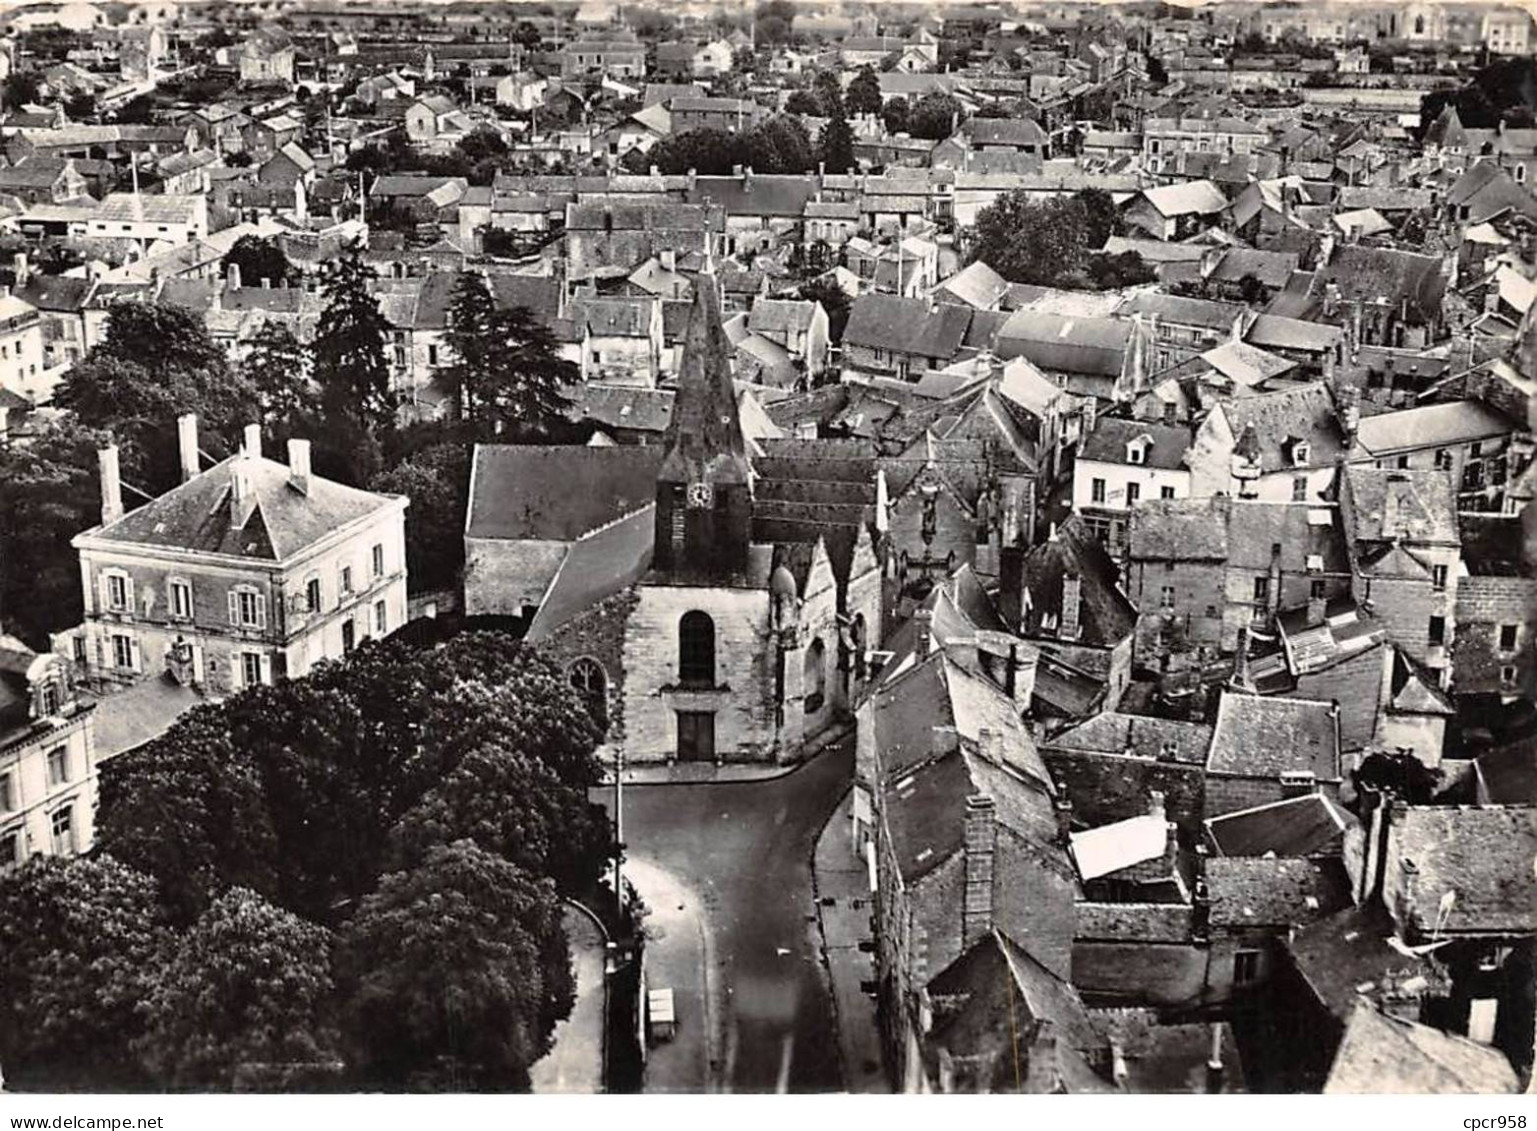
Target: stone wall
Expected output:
[501,577]
[1105,788]
[1484,603]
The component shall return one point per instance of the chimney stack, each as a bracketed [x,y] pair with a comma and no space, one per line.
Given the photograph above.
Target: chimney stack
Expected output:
[981,843]
[299,465]
[253,441]
[923,624]
[233,272]
[1072,604]
[1063,807]
[111,485]
[186,441]
[242,494]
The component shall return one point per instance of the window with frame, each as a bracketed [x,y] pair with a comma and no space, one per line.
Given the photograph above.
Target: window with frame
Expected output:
[346,580]
[247,607]
[58,765]
[378,559]
[1443,459]
[381,618]
[1436,630]
[10,849]
[1166,597]
[696,649]
[7,792]
[1245,967]
[1133,494]
[1097,491]
[312,597]
[48,700]
[1438,578]
[1508,675]
[1166,492]
[117,591]
[122,651]
[1261,589]
[1317,587]
[1509,633]
[62,824]
[251,669]
[1299,489]
[180,593]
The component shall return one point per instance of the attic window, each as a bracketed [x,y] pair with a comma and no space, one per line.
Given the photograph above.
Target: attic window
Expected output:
[1136,452]
[1300,452]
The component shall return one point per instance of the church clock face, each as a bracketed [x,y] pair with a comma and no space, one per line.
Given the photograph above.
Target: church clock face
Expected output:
[700,495]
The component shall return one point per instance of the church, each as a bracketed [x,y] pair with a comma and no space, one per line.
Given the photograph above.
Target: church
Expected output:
[714,598]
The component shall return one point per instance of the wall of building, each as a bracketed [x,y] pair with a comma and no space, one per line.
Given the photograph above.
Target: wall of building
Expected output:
[502,576]
[1484,604]
[743,700]
[35,800]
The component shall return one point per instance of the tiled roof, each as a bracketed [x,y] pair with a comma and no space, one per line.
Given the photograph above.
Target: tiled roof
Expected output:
[1111,435]
[1482,855]
[1141,736]
[1106,617]
[1274,891]
[1259,737]
[1390,504]
[1298,826]
[557,493]
[1380,1054]
[197,515]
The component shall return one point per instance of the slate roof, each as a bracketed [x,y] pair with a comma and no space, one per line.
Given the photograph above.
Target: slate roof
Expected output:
[1431,425]
[1389,504]
[1105,616]
[628,407]
[906,325]
[557,492]
[1200,198]
[56,293]
[977,285]
[1380,1054]
[1274,891]
[1272,268]
[1092,346]
[598,565]
[1141,736]
[1107,443]
[197,515]
[1265,737]
[1345,958]
[1298,826]
[763,194]
[1306,412]
[1485,854]
[1272,331]
[1375,274]
[1179,529]
[1205,313]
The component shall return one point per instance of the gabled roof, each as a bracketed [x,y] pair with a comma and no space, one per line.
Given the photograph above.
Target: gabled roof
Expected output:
[1265,737]
[1385,1055]
[1431,425]
[1298,826]
[910,326]
[1473,869]
[1165,445]
[198,515]
[1137,736]
[1271,891]
[1192,198]
[1306,412]
[556,492]
[1389,504]
[1105,616]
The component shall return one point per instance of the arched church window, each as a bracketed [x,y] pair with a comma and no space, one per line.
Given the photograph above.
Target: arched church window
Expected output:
[815,672]
[696,649]
[590,682]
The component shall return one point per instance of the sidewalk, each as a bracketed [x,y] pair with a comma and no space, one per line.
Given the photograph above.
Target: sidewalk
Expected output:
[694,773]
[575,1063]
[844,909]
[679,955]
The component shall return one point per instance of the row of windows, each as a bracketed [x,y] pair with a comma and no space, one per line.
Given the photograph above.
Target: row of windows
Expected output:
[61,824]
[59,769]
[1097,491]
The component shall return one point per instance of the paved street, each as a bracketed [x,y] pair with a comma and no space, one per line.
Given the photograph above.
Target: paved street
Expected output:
[742,852]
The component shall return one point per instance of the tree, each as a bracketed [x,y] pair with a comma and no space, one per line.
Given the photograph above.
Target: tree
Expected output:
[1128,269]
[470,342]
[1029,242]
[49,492]
[804,102]
[245,995]
[896,116]
[1157,74]
[864,93]
[436,480]
[834,300]
[837,144]
[20,88]
[780,145]
[349,359]
[527,36]
[1102,219]
[155,362]
[80,939]
[526,400]
[276,370]
[1404,775]
[79,107]
[936,116]
[455,973]
[259,259]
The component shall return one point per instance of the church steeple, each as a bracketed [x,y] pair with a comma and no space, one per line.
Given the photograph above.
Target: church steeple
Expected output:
[704,489]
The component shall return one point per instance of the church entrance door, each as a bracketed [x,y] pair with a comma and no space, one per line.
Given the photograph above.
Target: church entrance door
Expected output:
[696,736]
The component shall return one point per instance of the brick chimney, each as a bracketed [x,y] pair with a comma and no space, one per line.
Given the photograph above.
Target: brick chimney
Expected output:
[1072,604]
[299,465]
[981,844]
[186,442]
[242,492]
[252,443]
[1063,808]
[232,275]
[923,626]
[111,485]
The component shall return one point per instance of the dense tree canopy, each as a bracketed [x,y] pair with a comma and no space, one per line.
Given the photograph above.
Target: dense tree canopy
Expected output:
[81,939]
[259,259]
[864,93]
[1047,242]
[778,145]
[436,480]
[935,116]
[350,363]
[455,973]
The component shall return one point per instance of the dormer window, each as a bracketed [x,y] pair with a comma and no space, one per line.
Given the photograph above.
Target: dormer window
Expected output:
[48,699]
[1300,451]
[1136,450]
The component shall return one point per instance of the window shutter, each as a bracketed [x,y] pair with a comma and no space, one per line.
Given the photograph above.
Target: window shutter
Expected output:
[234,607]
[128,595]
[104,601]
[136,662]
[236,671]
[266,663]
[261,610]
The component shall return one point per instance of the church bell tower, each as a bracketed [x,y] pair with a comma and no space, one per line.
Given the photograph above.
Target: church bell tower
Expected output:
[704,489]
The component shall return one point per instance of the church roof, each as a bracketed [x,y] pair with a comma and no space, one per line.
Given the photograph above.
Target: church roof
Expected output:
[704,438]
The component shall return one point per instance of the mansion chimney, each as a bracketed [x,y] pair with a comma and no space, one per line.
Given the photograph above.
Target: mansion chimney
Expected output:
[299,465]
[111,485]
[242,492]
[186,442]
[981,844]
[253,441]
